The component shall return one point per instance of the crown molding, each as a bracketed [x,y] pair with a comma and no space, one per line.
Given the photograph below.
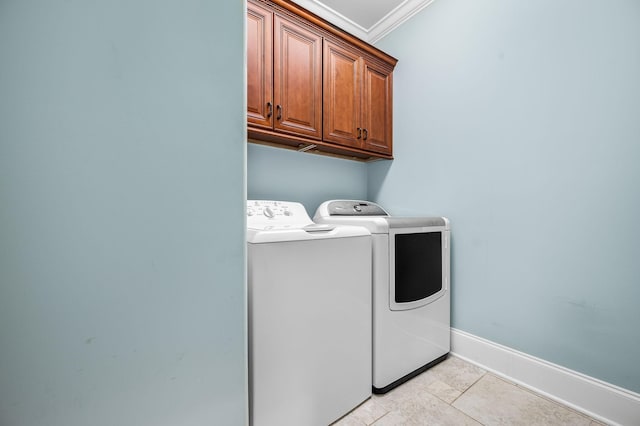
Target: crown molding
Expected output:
[383,27]
[334,17]
[392,20]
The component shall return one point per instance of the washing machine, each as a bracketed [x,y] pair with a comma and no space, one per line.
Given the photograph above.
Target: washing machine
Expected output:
[411,288]
[309,316]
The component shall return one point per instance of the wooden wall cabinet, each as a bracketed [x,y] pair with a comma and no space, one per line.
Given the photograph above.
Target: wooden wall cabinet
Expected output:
[313,87]
[284,74]
[357,100]
[259,66]
[377,111]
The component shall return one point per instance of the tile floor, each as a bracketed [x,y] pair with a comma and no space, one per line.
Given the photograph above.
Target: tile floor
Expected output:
[458,393]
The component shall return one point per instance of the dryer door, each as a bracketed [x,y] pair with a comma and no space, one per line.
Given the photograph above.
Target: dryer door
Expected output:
[418,266]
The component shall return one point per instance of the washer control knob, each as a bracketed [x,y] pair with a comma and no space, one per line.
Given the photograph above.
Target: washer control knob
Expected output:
[268,212]
[288,213]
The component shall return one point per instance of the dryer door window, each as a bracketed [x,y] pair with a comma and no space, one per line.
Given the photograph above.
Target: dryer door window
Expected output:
[417,268]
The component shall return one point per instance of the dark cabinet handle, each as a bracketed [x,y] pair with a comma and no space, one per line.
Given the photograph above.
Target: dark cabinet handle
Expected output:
[269,109]
[366,134]
[279,109]
[359,132]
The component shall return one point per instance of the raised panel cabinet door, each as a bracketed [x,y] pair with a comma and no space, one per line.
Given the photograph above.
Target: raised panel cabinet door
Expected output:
[342,95]
[259,66]
[297,84]
[377,114]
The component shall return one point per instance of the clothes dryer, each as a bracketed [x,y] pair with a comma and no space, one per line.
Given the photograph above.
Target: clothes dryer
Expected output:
[411,288]
[309,292]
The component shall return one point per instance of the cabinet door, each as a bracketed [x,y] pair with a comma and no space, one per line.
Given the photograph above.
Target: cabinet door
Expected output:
[259,66]
[377,114]
[342,95]
[297,81]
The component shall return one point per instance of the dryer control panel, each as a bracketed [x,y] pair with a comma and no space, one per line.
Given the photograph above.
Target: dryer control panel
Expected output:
[354,208]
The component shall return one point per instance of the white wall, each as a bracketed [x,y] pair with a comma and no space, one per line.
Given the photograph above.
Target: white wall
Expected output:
[520,121]
[122,265]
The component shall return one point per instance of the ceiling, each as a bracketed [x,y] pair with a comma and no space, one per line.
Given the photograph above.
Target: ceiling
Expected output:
[369,20]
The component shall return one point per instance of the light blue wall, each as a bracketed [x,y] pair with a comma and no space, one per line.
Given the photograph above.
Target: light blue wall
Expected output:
[122,262]
[521,122]
[282,174]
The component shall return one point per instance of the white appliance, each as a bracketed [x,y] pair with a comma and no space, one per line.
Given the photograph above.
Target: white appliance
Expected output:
[411,288]
[309,290]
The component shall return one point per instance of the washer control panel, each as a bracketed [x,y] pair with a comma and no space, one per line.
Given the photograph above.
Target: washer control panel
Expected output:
[267,214]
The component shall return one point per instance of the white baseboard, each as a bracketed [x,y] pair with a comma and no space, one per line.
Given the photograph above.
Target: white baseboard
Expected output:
[600,400]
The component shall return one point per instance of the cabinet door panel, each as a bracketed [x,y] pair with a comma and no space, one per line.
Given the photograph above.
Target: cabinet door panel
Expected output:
[377,109]
[298,79]
[342,95]
[259,66]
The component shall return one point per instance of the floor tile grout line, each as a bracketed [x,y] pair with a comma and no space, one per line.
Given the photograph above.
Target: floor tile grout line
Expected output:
[465,391]
[468,387]
[444,400]
[378,419]
[375,420]
[467,414]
